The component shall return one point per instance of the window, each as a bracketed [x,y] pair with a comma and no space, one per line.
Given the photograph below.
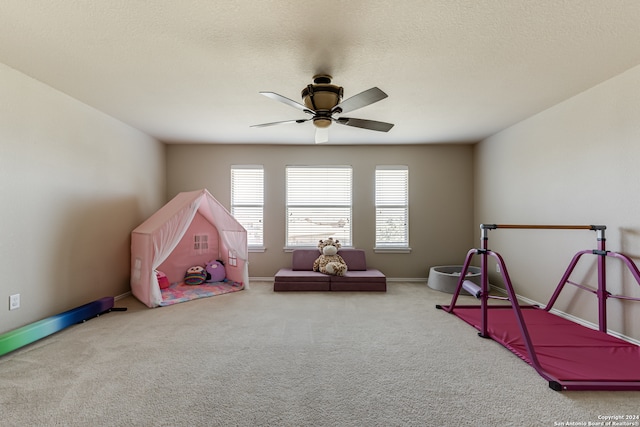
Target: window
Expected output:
[392,207]
[200,244]
[137,266]
[233,258]
[318,204]
[247,201]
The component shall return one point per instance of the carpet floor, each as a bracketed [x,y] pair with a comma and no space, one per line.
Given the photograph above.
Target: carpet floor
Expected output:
[261,358]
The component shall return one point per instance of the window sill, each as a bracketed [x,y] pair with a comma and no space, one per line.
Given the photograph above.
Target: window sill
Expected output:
[293,248]
[391,250]
[257,249]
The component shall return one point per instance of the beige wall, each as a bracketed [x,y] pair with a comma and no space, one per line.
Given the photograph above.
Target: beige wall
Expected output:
[575,163]
[440,187]
[73,184]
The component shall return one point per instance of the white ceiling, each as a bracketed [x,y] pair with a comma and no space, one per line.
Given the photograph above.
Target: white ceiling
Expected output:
[190,70]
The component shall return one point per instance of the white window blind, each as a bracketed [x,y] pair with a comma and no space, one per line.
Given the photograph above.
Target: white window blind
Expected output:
[247,201]
[392,207]
[318,204]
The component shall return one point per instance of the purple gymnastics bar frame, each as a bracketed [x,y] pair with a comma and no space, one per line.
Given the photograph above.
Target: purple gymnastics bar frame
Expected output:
[482,293]
[601,293]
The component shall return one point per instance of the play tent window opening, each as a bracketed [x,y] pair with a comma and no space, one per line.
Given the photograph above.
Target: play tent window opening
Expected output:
[200,243]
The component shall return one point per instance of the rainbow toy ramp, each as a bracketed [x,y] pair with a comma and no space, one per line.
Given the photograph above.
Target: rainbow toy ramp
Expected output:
[28,334]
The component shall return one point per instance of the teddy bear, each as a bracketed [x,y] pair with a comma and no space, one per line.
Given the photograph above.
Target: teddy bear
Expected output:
[195,275]
[215,271]
[329,262]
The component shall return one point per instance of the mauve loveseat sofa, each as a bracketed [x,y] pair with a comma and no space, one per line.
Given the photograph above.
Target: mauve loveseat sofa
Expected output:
[301,277]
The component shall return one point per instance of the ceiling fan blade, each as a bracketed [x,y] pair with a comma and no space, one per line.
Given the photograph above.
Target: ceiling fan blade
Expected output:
[285,122]
[360,100]
[287,101]
[322,135]
[365,124]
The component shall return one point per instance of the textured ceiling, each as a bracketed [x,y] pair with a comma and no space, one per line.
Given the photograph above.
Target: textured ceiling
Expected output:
[190,70]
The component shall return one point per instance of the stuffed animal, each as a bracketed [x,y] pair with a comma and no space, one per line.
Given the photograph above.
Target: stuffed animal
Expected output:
[215,271]
[329,262]
[195,275]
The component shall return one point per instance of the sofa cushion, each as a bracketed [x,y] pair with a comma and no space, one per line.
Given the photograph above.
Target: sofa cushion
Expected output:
[301,286]
[289,275]
[360,276]
[355,259]
[352,286]
[303,259]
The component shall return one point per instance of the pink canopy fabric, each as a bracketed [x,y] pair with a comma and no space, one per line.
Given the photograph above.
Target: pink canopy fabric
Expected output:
[192,229]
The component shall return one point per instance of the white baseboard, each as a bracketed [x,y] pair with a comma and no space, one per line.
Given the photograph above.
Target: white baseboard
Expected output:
[119,297]
[408,279]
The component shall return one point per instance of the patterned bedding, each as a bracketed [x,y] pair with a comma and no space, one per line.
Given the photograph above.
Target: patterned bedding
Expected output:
[179,292]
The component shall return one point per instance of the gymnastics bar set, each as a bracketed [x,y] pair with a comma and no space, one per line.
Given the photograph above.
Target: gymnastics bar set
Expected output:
[568,355]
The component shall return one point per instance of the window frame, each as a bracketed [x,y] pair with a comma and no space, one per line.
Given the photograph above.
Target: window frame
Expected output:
[398,246]
[256,204]
[289,205]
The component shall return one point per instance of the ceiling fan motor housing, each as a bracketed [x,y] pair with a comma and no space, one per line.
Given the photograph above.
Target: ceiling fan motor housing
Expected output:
[321,97]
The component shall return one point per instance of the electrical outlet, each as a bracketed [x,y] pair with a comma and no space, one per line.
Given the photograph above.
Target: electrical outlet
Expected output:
[497,268]
[14,302]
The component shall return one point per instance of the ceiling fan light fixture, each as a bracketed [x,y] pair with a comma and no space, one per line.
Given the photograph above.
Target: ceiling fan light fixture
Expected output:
[322,122]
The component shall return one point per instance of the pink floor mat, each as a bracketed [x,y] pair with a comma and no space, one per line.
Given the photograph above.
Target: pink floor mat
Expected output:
[179,292]
[566,350]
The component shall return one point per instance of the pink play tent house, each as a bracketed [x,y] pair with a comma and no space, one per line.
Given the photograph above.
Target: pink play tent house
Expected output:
[192,229]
